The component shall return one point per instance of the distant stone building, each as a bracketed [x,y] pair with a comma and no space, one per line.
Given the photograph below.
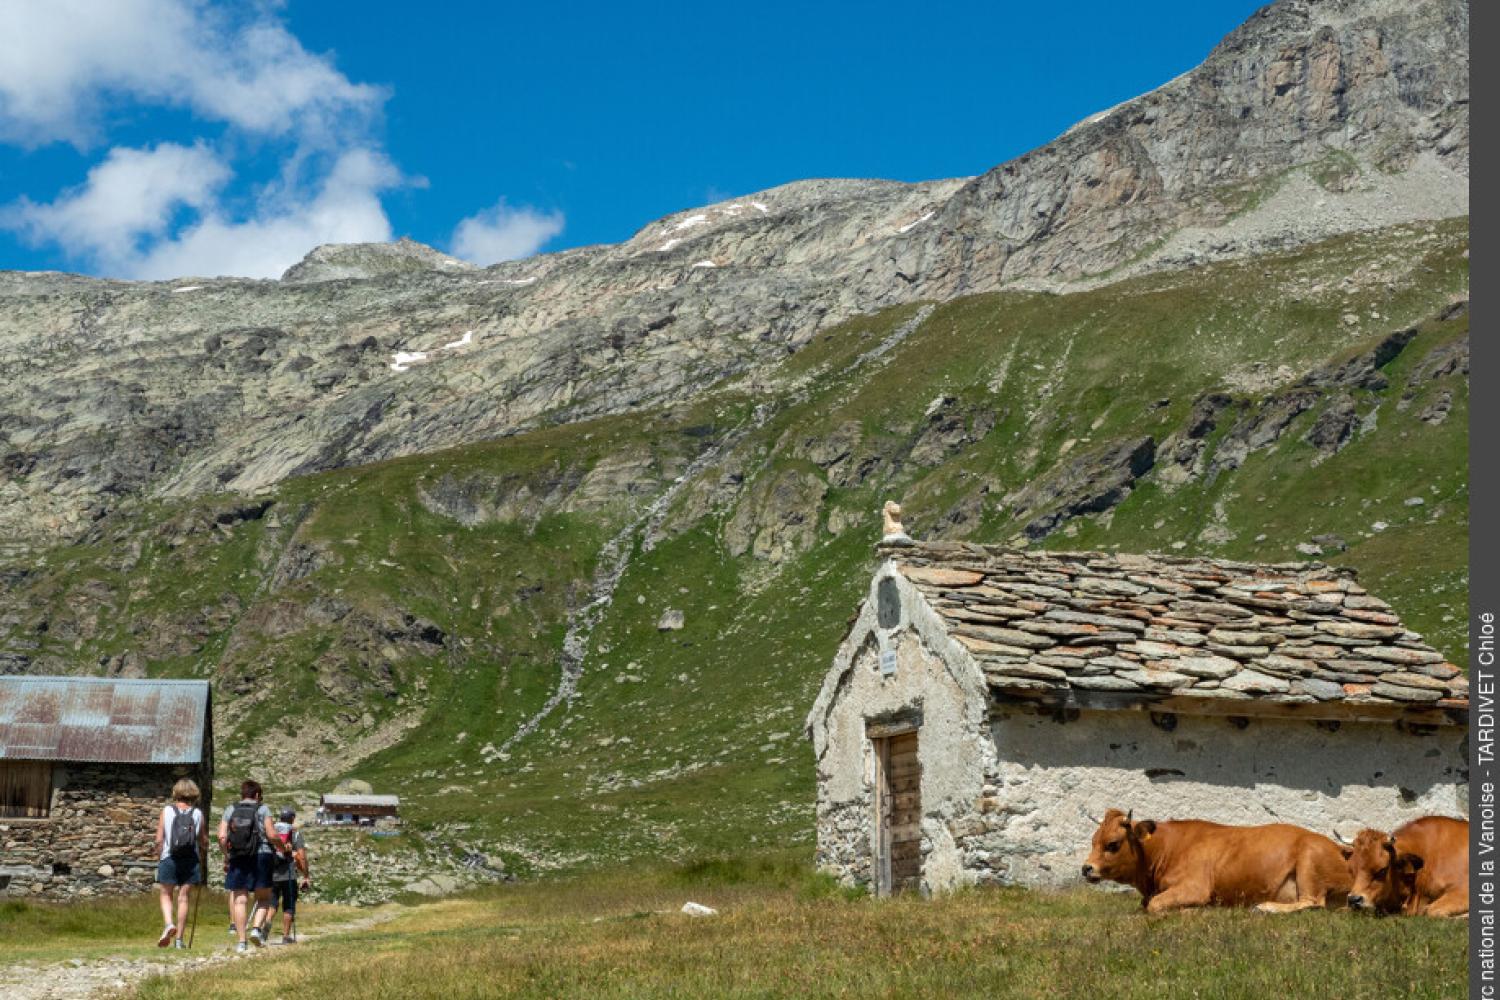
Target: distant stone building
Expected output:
[336,809]
[85,767]
[989,704]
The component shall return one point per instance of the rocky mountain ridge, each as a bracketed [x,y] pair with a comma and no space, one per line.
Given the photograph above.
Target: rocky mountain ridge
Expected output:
[1311,119]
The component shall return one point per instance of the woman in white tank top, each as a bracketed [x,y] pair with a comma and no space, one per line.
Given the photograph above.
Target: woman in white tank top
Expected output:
[180,850]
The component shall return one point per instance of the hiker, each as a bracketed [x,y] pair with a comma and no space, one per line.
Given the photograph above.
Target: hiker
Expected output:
[249,842]
[285,870]
[181,847]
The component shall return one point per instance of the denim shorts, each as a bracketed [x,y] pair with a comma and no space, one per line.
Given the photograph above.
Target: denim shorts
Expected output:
[178,871]
[249,873]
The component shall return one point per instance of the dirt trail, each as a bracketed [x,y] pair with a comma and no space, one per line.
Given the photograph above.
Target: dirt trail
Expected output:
[115,975]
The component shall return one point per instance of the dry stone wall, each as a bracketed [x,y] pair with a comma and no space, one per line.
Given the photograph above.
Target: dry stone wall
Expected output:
[98,838]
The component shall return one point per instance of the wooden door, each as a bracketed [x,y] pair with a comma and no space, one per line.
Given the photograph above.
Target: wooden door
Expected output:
[898,814]
[25,788]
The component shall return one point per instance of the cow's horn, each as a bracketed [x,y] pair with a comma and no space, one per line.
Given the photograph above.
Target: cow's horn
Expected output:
[1128,815]
[1340,838]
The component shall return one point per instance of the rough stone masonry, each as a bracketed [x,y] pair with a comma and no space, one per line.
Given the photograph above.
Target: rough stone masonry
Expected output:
[1045,687]
[98,837]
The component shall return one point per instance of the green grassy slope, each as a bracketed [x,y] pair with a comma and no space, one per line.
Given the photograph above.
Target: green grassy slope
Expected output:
[399,621]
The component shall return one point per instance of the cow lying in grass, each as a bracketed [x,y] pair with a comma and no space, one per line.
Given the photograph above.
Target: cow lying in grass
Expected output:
[1421,868]
[1181,863]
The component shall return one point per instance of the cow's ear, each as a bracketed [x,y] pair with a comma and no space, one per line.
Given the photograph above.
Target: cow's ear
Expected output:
[1145,828]
[1410,864]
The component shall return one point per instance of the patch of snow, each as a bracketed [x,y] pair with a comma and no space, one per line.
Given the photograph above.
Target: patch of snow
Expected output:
[705,263]
[763,210]
[912,225]
[403,360]
[689,222]
[186,288]
[668,245]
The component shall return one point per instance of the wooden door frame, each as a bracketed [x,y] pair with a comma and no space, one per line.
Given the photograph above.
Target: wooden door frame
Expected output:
[880,736]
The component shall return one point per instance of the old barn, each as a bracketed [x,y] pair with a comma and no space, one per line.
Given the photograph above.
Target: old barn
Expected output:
[86,765]
[989,704]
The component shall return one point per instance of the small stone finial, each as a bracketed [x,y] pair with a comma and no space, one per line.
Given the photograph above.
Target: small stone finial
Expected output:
[894,533]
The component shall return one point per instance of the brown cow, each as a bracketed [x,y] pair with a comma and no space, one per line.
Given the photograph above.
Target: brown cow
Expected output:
[1421,868]
[1179,863]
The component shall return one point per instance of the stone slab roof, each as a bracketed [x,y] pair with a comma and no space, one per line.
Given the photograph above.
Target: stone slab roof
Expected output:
[1199,634]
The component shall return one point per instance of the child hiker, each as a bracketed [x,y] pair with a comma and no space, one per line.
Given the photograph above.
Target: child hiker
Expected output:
[285,871]
[181,846]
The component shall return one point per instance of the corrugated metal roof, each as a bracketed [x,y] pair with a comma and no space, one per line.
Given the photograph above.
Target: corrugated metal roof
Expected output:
[102,720]
[361,800]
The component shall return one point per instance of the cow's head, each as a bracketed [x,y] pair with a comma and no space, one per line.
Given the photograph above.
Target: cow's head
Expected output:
[1117,854]
[1384,875]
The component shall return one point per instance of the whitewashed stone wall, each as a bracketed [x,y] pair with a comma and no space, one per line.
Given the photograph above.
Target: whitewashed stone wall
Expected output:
[953,745]
[1053,776]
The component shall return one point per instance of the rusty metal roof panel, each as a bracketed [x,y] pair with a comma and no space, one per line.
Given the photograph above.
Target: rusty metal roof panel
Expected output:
[103,720]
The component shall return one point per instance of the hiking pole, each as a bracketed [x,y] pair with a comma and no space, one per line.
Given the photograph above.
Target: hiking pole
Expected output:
[197,902]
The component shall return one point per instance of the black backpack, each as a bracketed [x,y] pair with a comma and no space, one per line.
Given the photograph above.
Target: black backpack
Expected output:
[182,839]
[244,832]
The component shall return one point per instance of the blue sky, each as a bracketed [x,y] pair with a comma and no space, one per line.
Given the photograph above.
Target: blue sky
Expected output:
[156,138]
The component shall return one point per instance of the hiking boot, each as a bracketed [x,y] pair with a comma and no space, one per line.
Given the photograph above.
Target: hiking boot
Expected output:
[241,948]
[256,938]
[180,943]
[166,936]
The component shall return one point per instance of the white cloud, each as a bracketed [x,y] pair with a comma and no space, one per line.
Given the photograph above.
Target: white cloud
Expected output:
[172,209]
[121,219]
[133,194]
[345,209]
[63,61]
[504,233]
